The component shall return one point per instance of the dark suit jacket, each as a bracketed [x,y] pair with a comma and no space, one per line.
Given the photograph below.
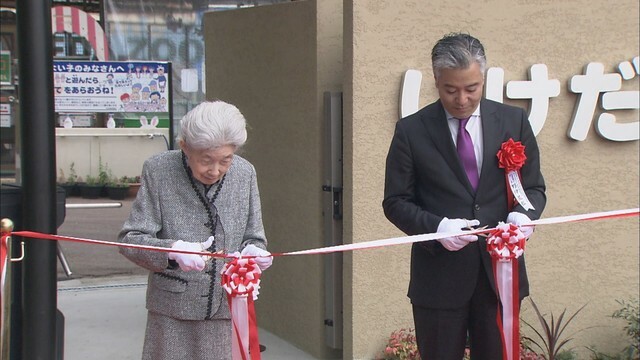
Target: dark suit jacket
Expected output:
[425,181]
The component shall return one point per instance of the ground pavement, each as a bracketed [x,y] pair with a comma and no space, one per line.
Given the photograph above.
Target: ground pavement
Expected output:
[103,298]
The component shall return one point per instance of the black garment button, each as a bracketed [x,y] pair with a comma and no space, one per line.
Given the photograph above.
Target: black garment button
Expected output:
[476,207]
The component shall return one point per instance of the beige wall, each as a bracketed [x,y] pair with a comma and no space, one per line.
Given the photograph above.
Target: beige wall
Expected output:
[122,150]
[274,62]
[570,265]
[265,60]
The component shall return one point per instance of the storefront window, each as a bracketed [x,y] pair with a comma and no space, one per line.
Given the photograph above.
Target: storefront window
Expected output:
[8,93]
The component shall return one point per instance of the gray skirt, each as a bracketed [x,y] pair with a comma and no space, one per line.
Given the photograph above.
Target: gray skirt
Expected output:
[167,338]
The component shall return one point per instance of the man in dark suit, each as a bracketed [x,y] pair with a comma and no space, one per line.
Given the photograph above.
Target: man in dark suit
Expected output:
[439,181]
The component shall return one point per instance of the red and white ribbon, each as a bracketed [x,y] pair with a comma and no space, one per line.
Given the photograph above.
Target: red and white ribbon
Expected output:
[345,247]
[241,281]
[241,276]
[506,244]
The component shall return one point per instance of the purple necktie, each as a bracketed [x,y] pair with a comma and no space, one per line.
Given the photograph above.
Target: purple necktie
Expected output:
[466,153]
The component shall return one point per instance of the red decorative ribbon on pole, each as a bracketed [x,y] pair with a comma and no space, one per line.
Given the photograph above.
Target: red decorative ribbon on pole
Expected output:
[511,158]
[506,244]
[4,263]
[241,281]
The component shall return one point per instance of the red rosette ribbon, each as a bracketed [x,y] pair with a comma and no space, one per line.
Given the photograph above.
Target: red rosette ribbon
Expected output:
[506,244]
[511,158]
[241,281]
[5,259]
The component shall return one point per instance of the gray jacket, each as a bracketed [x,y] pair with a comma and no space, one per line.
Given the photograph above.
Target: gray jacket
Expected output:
[167,209]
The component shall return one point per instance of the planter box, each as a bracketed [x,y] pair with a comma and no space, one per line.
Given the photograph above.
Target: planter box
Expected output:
[133,190]
[70,189]
[117,192]
[90,191]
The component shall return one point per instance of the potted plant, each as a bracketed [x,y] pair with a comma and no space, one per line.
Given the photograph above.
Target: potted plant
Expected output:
[69,183]
[134,185]
[104,176]
[117,189]
[91,188]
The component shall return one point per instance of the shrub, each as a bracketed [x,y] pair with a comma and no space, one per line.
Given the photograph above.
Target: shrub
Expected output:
[550,340]
[631,314]
[401,346]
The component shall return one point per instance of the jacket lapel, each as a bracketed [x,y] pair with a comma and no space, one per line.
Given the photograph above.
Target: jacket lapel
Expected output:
[491,138]
[438,129]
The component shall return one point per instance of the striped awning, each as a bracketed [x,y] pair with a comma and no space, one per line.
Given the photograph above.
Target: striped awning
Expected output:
[73,20]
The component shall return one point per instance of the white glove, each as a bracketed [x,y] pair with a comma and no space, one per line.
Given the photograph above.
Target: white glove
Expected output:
[520,219]
[190,262]
[263,258]
[455,243]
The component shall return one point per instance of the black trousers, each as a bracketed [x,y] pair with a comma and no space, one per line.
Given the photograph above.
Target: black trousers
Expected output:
[442,333]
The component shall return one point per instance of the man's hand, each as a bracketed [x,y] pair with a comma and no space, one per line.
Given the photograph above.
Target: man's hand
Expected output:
[190,262]
[456,243]
[520,219]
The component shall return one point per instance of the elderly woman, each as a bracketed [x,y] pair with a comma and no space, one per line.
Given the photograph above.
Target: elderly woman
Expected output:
[202,197]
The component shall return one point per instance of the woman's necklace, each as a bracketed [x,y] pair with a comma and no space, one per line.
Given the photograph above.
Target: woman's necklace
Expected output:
[208,205]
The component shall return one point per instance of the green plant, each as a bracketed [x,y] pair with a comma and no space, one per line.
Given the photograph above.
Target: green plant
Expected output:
[631,313]
[117,182]
[551,339]
[401,346]
[92,180]
[130,179]
[104,173]
[627,354]
[62,178]
[72,178]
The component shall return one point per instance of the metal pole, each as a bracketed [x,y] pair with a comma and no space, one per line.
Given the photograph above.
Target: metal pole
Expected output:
[5,290]
[38,177]
[93,205]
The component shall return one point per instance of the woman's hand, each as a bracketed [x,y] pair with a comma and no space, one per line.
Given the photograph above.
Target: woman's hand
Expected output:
[262,258]
[190,262]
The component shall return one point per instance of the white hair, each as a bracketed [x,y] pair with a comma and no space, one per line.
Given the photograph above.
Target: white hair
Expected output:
[211,125]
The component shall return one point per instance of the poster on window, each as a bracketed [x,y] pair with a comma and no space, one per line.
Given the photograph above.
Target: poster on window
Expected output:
[111,86]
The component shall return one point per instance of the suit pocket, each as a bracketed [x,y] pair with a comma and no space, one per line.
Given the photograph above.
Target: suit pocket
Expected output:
[431,248]
[170,283]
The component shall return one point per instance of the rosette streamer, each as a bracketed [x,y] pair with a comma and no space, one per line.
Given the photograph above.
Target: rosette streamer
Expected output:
[511,158]
[241,281]
[506,244]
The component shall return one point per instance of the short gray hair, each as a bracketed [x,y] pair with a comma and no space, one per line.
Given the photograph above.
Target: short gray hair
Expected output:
[211,125]
[457,51]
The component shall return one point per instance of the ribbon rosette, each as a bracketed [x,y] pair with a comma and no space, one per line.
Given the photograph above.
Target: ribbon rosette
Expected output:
[241,281]
[511,158]
[506,244]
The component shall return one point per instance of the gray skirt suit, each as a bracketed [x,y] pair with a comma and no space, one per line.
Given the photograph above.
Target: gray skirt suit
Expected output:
[188,314]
